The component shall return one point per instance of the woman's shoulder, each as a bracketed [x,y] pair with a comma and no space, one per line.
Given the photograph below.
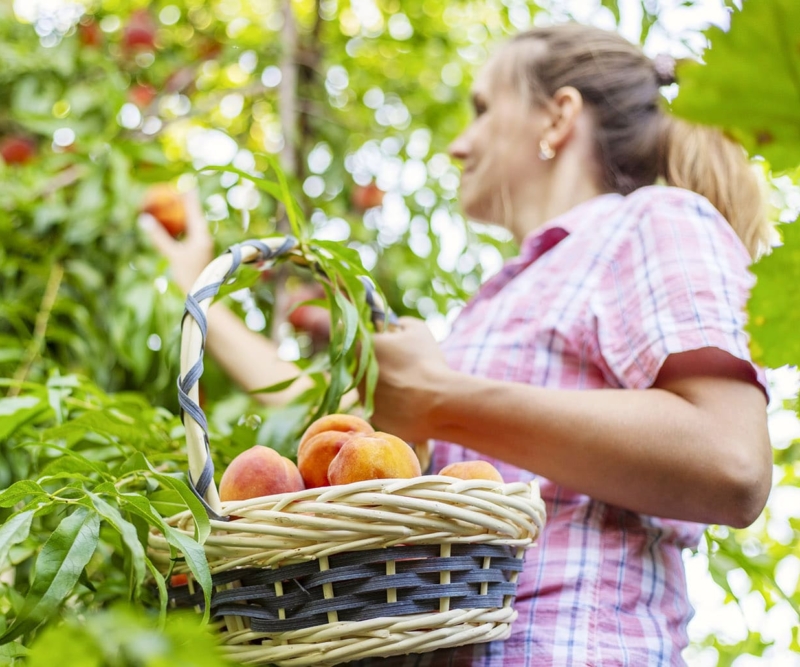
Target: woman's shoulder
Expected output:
[659,209]
[660,196]
[664,224]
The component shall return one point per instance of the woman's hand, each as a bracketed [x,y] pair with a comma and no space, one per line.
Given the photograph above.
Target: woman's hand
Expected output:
[413,375]
[189,256]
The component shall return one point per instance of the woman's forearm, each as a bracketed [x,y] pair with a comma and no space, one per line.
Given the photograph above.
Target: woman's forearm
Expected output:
[250,358]
[650,451]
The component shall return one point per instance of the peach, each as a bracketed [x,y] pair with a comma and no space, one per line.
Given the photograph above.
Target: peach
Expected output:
[321,443]
[165,204]
[373,456]
[337,422]
[259,471]
[472,470]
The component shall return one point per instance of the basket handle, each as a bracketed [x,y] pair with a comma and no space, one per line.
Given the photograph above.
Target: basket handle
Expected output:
[265,252]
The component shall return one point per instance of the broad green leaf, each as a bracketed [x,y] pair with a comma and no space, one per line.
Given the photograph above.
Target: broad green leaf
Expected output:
[129,536]
[195,559]
[167,502]
[57,570]
[201,523]
[190,549]
[750,84]
[349,319]
[19,491]
[772,325]
[12,532]
[17,411]
[12,650]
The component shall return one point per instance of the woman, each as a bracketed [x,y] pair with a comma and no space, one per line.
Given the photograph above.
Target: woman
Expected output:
[608,360]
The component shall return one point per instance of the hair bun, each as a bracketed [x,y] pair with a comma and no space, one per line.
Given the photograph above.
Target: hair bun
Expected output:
[664,66]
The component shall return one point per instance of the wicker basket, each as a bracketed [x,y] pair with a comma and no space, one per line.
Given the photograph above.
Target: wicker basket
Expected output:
[329,575]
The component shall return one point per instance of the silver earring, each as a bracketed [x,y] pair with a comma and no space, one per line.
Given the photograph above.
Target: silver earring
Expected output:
[546,151]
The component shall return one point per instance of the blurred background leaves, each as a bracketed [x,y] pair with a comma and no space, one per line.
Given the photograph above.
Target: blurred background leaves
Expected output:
[357,101]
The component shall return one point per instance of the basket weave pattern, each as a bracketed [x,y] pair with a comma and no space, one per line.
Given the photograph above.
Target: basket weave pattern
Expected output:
[374,568]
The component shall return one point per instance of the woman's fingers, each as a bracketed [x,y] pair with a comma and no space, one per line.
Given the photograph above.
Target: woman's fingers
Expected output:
[196,224]
[159,237]
[190,255]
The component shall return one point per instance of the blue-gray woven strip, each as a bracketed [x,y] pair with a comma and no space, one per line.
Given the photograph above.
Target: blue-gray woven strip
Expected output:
[360,584]
[186,383]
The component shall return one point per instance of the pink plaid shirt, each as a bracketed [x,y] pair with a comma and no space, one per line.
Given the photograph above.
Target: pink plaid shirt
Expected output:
[598,298]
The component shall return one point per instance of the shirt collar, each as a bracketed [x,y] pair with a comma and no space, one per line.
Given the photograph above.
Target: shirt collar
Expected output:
[552,232]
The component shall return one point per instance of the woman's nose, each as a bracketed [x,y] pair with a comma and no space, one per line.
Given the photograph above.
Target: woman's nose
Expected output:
[459,149]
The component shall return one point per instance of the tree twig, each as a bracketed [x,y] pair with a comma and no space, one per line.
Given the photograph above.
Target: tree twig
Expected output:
[40,328]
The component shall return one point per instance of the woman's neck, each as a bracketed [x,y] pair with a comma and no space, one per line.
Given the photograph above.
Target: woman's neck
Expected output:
[568,186]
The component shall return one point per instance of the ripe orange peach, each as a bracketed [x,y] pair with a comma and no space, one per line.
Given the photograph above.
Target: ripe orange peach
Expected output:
[373,456]
[259,471]
[321,443]
[342,423]
[472,470]
[165,204]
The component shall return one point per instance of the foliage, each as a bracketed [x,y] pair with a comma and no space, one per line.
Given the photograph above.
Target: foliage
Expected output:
[750,82]
[749,86]
[116,98]
[124,637]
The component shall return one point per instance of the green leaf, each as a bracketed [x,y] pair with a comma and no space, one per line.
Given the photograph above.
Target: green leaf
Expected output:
[167,502]
[19,491]
[750,84]
[12,650]
[17,411]
[129,536]
[270,187]
[14,531]
[349,318]
[195,559]
[612,5]
[191,550]
[201,523]
[772,325]
[274,388]
[58,568]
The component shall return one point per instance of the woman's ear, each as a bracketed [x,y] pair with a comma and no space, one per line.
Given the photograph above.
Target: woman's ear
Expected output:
[565,107]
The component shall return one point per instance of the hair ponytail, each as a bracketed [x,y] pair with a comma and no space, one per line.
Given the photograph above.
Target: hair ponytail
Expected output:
[703,160]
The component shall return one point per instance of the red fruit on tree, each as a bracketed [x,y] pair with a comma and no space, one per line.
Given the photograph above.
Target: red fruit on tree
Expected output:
[366,196]
[17,150]
[89,34]
[140,32]
[209,48]
[141,95]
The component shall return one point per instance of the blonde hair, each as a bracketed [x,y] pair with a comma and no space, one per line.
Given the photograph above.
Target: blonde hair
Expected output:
[637,142]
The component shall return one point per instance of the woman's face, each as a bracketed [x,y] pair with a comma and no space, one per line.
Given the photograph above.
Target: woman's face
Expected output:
[499,151]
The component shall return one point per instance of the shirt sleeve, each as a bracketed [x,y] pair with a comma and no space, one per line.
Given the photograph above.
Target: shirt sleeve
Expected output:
[678,281]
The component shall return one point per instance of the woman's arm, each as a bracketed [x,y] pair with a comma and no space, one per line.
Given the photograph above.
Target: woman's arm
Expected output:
[693,447]
[248,357]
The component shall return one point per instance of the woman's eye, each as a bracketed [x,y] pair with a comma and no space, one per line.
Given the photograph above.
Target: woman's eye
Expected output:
[480,109]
